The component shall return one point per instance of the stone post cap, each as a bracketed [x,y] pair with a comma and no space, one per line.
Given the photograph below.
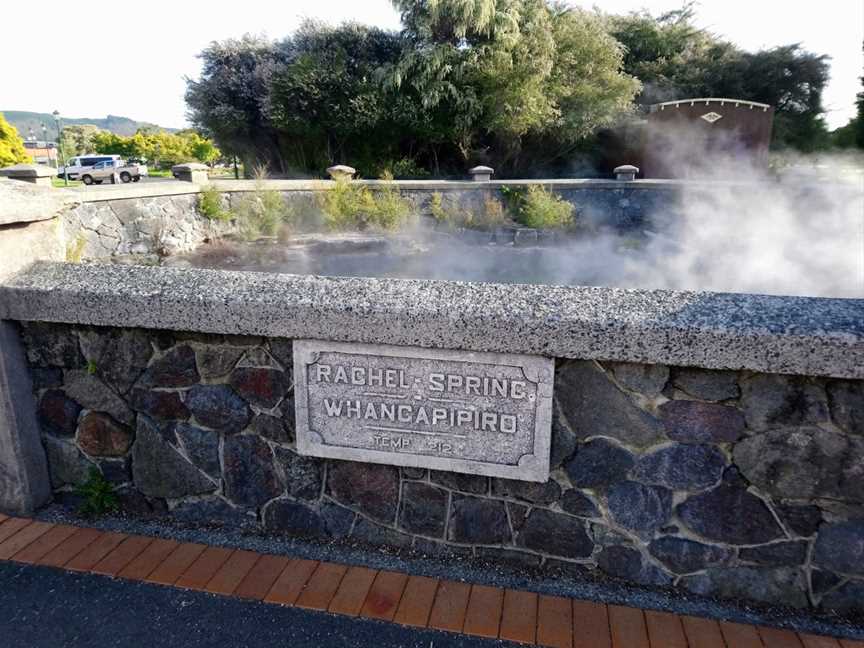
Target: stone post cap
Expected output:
[341,171]
[188,167]
[481,173]
[28,171]
[626,172]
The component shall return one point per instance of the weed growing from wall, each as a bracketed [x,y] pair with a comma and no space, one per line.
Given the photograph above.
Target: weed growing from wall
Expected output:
[97,495]
[210,204]
[352,206]
[541,208]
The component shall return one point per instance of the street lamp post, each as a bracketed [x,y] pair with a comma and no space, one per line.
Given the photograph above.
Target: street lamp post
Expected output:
[47,148]
[59,123]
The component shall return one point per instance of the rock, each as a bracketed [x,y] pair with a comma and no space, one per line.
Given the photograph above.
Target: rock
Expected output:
[849,597]
[474,520]
[119,356]
[681,467]
[295,519]
[271,427]
[846,398]
[372,489]
[628,563]
[706,384]
[158,470]
[249,475]
[577,503]
[594,406]
[46,378]
[804,463]
[460,482]
[803,520]
[116,471]
[283,350]
[213,511]
[133,502]
[176,368]
[840,547]
[66,463]
[518,514]
[375,534]
[302,476]
[93,394]
[424,509]
[778,554]
[218,407]
[201,446]
[51,345]
[605,536]
[772,399]
[216,361]
[695,422]
[160,405]
[413,473]
[555,533]
[289,418]
[539,493]
[100,435]
[779,586]
[684,556]
[438,549]
[58,414]
[646,379]
[337,519]
[262,387]
[599,463]
[563,439]
[730,514]
[822,581]
[639,507]
[257,357]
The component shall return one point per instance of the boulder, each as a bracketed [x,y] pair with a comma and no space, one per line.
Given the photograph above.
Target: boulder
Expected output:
[99,435]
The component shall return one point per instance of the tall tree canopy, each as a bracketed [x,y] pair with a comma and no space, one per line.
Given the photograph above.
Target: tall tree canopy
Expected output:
[518,84]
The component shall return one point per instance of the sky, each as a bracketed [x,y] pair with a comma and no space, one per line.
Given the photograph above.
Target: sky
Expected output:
[134,62]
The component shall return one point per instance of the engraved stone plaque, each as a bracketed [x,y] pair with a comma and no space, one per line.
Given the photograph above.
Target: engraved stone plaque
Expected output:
[478,413]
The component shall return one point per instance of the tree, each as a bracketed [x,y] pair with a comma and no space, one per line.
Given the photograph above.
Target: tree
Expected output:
[852,134]
[229,101]
[12,149]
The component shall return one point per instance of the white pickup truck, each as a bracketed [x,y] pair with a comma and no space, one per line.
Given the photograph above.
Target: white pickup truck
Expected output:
[111,170]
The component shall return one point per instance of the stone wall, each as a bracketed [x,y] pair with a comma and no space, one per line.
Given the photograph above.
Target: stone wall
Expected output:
[113,222]
[737,484]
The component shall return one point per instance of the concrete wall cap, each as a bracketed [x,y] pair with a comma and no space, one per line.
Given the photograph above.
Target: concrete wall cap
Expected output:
[340,170]
[626,168]
[28,171]
[189,166]
[481,169]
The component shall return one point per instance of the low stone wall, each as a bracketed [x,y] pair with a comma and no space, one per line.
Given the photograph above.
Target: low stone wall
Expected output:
[731,483]
[139,220]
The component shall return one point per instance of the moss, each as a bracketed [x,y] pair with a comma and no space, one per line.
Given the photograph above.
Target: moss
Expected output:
[75,249]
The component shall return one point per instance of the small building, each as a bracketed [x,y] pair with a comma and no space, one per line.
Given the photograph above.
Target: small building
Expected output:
[706,138]
[42,152]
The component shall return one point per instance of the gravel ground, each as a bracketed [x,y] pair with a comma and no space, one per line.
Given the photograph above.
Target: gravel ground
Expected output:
[477,571]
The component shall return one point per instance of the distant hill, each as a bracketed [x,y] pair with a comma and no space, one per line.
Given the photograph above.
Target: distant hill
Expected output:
[24,121]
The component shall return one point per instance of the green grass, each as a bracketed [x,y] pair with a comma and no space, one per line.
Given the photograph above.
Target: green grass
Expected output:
[59,182]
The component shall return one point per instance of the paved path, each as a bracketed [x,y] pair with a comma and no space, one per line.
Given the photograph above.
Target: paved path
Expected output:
[163,592]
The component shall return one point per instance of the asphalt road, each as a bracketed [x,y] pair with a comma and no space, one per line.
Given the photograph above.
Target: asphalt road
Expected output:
[41,607]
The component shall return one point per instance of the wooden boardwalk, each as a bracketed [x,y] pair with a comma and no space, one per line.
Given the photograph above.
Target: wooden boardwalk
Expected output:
[418,601]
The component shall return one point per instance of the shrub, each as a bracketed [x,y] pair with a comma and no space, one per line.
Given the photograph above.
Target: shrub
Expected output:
[491,216]
[408,168]
[261,213]
[348,205]
[97,495]
[540,208]
[210,204]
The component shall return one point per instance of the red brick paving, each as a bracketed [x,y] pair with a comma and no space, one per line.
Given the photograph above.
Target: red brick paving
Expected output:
[418,601]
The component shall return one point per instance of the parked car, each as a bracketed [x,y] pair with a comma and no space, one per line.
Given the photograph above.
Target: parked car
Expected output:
[111,169]
[76,166]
